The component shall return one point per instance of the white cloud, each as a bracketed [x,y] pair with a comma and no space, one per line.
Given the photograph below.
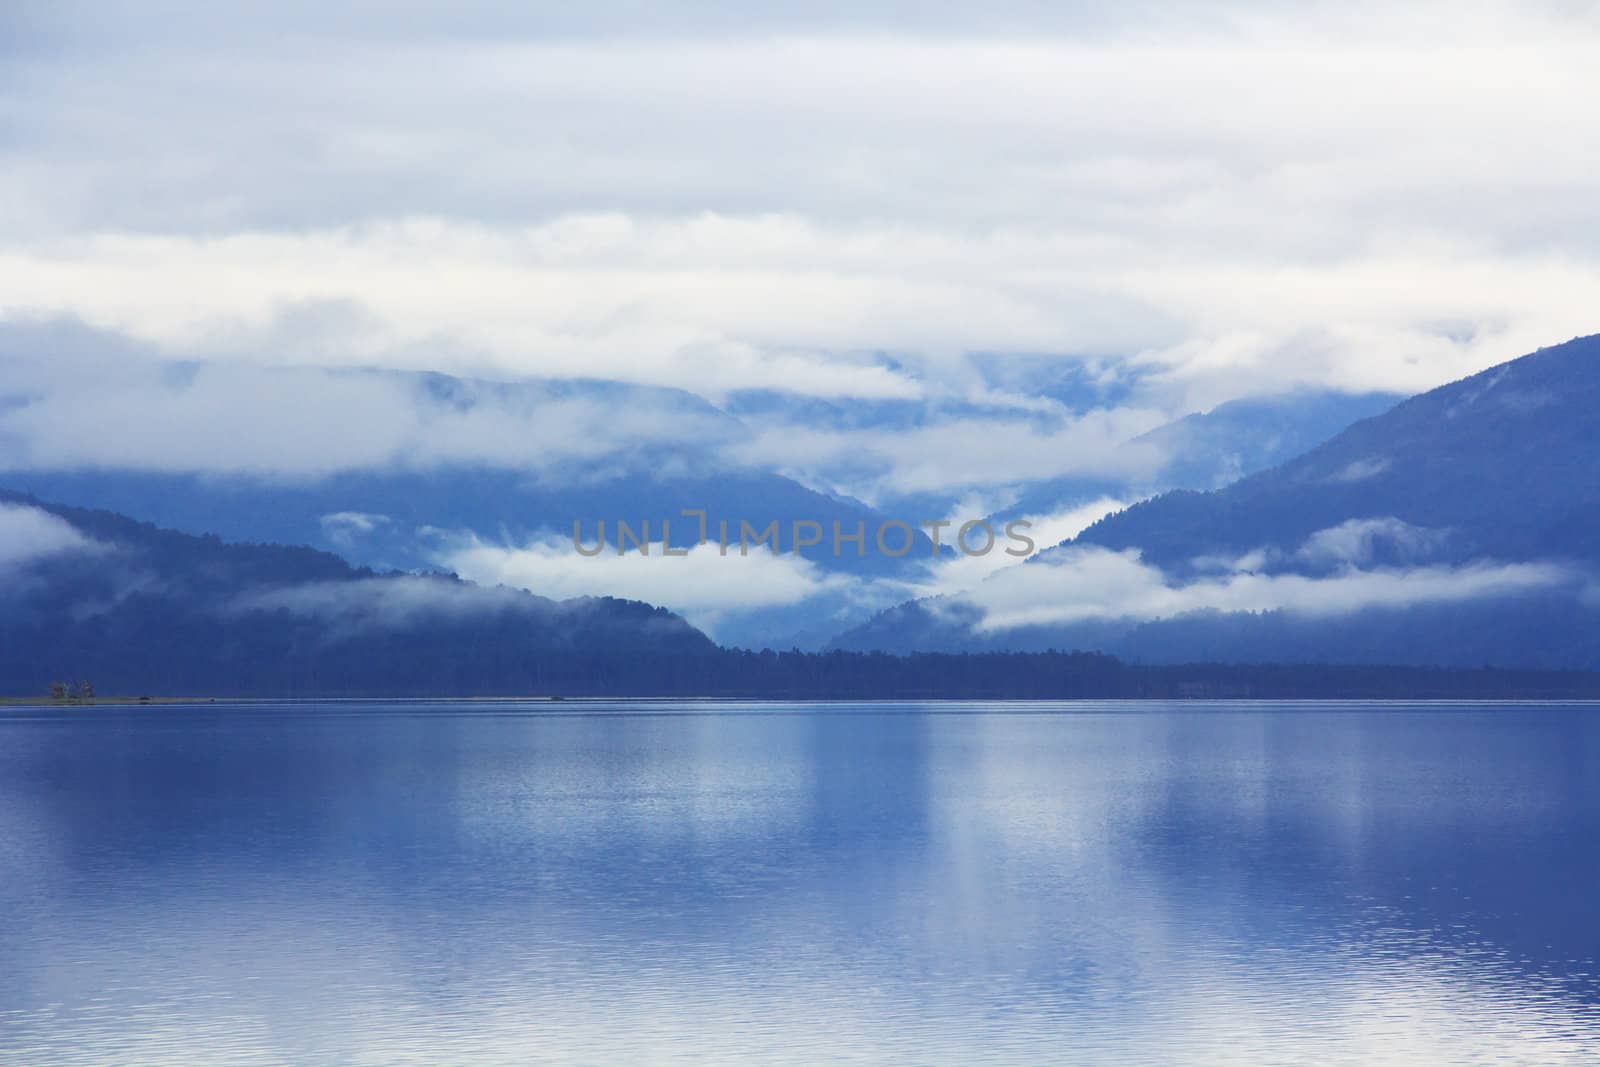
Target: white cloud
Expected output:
[1245,200]
[381,603]
[962,573]
[29,534]
[106,411]
[58,402]
[707,303]
[709,588]
[1358,542]
[347,528]
[1083,583]
[355,522]
[703,585]
[1362,469]
[958,452]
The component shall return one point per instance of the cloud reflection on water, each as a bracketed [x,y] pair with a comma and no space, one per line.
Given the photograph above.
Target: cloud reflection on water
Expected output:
[1168,886]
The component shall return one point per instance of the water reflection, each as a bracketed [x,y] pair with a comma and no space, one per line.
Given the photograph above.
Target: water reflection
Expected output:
[351,884]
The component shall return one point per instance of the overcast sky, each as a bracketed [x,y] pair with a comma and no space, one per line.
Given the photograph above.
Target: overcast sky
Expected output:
[838,199]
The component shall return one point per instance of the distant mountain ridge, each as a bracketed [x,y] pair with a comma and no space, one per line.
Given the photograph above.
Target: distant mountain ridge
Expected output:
[566,451]
[92,594]
[1507,461]
[1461,528]
[1211,449]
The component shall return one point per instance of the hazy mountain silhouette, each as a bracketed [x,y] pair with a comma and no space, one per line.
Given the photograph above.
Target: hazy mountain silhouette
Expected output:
[1505,463]
[140,609]
[1502,468]
[91,595]
[1210,449]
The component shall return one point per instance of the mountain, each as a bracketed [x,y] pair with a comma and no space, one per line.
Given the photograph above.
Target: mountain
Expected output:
[91,596]
[420,469]
[1504,464]
[135,608]
[1214,448]
[433,520]
[1457,528]
[427,472]
[1202,450]
[439,457]
[1211,449]
[410,519]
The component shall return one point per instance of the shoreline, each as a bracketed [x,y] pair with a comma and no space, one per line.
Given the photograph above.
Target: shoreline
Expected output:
[31,704]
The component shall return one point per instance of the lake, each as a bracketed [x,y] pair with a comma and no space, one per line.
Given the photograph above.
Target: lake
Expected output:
[438,883]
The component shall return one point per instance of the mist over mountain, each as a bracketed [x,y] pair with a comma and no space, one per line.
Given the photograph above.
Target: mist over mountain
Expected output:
[88,594]
[1211,449]
[1457,528]
[427,472]
[1453,529]
[1503,464]
[93,597]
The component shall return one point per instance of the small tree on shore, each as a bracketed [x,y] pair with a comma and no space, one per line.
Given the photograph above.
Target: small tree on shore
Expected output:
[58,690]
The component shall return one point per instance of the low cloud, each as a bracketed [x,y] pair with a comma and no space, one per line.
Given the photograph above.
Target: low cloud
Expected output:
[1360,542]
[65,384]
[1362,469]
[385,603]
[710,589]
[1082,583]
[308,422]
[347,528]
[949,575]
[703,586]
[958,453]
[29,535]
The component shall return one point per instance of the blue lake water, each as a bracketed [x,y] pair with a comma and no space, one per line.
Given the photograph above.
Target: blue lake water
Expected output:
[592,883]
